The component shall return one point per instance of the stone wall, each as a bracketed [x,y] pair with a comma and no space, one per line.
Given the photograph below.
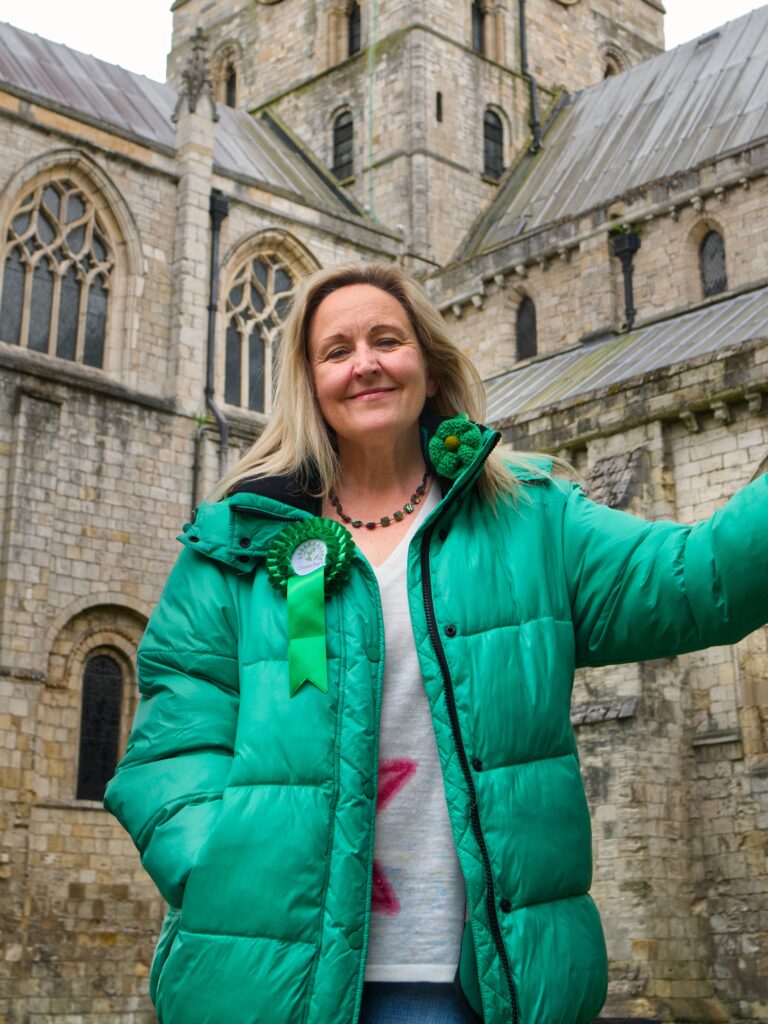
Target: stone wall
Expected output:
[411,169]
[569,43]
[577,284]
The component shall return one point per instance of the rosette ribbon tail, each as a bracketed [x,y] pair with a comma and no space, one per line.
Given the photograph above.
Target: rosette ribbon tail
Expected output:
[307,656]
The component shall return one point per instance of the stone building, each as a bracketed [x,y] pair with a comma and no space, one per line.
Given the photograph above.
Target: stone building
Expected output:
[589,212]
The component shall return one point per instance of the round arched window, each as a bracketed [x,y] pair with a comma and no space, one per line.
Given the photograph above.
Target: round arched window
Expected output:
[526,329]
[493,152]
[712,264]
[100,708]
[343,148]
[353,30]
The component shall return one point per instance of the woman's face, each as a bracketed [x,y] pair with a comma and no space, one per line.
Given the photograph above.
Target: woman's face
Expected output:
[368,370]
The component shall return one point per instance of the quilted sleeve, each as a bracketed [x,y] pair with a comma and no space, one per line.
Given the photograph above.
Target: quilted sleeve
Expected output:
[641,590]
[167,788]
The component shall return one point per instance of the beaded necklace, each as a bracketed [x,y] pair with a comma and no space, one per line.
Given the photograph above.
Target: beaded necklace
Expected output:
[397,516]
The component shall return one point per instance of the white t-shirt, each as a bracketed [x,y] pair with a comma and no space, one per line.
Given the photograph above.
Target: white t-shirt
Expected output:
[418,901]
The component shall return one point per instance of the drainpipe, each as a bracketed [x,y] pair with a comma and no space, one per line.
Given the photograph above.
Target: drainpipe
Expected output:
[624,246]
[373,30]
[202,430]
[534,121]
[219,209]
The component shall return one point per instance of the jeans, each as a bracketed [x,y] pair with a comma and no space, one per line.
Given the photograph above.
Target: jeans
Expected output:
[411,1002]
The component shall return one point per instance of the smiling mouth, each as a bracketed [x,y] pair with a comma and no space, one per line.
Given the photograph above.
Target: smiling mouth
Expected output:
[372,393]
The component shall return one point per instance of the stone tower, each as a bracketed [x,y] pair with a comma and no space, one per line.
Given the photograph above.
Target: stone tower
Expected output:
[419,107]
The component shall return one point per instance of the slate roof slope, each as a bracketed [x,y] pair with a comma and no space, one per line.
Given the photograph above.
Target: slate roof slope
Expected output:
[133,105]
[683,108]
[617,358]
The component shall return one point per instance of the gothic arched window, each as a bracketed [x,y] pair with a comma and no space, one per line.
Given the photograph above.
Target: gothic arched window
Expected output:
[526,329]
[493,145]
[57,274]
[100,709]
[257,303]
[343,139]
[353,30]
[478,28]
[230,86]
[712,264]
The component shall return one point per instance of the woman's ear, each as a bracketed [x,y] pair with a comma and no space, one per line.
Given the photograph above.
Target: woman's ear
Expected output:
[432,385]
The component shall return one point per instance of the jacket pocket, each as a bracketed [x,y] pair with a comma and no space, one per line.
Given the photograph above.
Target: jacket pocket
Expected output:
[167,936]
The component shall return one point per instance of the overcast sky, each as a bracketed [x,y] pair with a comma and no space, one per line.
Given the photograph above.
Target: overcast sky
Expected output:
[137,35]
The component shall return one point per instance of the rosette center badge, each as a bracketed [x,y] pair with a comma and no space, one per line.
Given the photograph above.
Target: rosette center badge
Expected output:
[309,556]
[307,561]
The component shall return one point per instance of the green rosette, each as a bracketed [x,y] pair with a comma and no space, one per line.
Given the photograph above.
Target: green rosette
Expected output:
[454,445]
[307,561]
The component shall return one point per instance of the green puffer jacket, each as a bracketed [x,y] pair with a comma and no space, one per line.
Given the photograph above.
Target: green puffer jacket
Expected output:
[254,812]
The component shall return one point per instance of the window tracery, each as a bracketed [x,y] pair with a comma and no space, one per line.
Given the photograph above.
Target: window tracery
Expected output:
[57,273]
[257,303]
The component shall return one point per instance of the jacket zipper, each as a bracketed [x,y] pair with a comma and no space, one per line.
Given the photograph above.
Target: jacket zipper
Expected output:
[490,897]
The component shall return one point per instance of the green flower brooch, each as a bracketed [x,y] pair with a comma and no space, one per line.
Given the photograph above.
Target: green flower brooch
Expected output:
[454,445]
[307,561]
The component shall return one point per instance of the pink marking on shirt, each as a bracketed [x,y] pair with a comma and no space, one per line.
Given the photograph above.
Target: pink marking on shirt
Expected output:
[393,775]
[383,897]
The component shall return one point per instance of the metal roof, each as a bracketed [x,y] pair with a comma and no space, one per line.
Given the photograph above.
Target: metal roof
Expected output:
[658,119]
[93,89]
[598,364]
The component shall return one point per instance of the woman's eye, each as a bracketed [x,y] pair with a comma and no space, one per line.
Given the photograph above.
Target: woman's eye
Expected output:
[388,342]
[336,353]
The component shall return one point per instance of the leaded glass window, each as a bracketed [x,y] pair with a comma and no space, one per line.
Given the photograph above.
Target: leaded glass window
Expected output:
[478,44]
[99,726]
[343,138]
[57,273]
[526,329]
[712,264]
[493,137]
[257,304]
[354,29]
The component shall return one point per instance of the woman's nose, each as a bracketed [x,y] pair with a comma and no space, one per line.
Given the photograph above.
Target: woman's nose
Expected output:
[365,360]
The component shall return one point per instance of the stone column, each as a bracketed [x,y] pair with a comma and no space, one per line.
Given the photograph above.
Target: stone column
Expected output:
[500,15]
[195,117]
[489,28]
[336,21]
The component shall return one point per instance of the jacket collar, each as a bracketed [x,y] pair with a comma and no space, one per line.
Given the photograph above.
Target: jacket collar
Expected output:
[287,490]
[238,529]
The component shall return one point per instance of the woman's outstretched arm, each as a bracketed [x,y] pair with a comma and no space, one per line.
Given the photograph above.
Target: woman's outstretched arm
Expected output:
[643,590]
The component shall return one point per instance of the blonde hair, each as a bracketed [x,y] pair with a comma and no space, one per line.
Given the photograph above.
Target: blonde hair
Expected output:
[296,440]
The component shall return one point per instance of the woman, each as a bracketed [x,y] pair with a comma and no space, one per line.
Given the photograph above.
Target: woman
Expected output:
[297,687]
